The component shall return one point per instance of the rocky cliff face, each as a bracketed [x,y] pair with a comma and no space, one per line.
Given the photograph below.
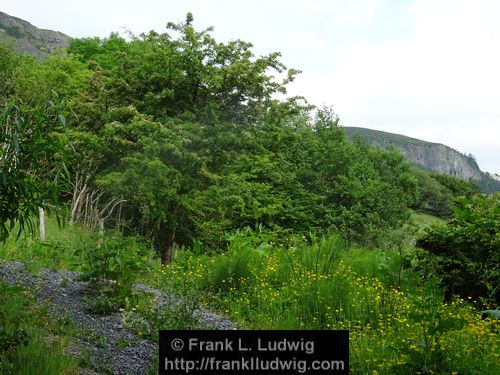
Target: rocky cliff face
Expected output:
[442,159]
[28,39]
[433,157]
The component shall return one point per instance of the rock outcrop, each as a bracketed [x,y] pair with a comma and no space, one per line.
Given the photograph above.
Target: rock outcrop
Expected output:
[28,39]
[442,159]
[432,157]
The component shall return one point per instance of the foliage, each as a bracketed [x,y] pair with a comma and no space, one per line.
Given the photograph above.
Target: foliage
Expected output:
[433,197]
[190,73]
[398,324]
[11,332]
[35,82]
[114,265]
[268,194]
[9,62]
[434,321]
[363,211]
[436,192]
[23,331]
[394,329]
[466,249]
[187,175]
[187,130]
[57,251]
[488,184]
[31,161]
[190,133]
[457,186]
[179,312]
[152,173]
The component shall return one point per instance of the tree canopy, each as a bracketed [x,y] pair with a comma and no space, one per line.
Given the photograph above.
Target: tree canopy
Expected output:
[198,139]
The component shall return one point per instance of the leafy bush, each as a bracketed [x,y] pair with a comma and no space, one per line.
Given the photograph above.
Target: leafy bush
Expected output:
[456,186]
[466,250]
[32,169]
[180,313]
[103,303]
[114,265]
[433,198]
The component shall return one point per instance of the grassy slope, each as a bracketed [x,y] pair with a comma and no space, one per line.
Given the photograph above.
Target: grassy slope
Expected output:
[423,221]
[32,342]
[384,138]
[58,251]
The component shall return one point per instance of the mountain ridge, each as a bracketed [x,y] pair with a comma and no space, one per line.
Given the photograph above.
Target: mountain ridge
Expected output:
[29,39]
[430,156]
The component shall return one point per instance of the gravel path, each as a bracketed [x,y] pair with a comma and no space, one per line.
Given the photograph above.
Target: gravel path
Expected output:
[109,346]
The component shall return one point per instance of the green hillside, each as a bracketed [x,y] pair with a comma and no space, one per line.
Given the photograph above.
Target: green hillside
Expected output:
[384,138]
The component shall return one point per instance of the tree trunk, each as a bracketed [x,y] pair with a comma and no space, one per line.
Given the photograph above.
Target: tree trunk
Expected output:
[166,255]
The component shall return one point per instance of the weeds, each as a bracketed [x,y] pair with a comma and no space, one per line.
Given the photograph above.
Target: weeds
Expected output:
[398,323]
[113,266]
[30,341]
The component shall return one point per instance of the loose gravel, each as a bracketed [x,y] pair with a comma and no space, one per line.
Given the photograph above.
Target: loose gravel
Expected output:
[102,344]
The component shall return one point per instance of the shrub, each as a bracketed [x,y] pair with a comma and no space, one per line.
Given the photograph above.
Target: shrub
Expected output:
[467,249]
[114,265]
[233,268]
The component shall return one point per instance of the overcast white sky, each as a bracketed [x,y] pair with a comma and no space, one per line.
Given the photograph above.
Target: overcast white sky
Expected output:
[429,69]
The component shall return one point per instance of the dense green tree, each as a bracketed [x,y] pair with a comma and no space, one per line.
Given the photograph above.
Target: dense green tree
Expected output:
[373,195]
[456,186]
[192,73]
[433,198]
[148,165]
[436,192]
[466,250]
[190,133]
[37,82]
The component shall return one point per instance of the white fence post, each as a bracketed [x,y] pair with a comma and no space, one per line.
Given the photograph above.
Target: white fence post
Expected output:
[41,212]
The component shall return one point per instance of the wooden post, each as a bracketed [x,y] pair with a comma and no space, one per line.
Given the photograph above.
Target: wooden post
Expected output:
[101,228]
[101,232]
[41,213]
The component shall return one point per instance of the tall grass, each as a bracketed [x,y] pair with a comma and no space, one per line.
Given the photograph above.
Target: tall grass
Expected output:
[40,358]
[31,342]
[398,323]
[58,251]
